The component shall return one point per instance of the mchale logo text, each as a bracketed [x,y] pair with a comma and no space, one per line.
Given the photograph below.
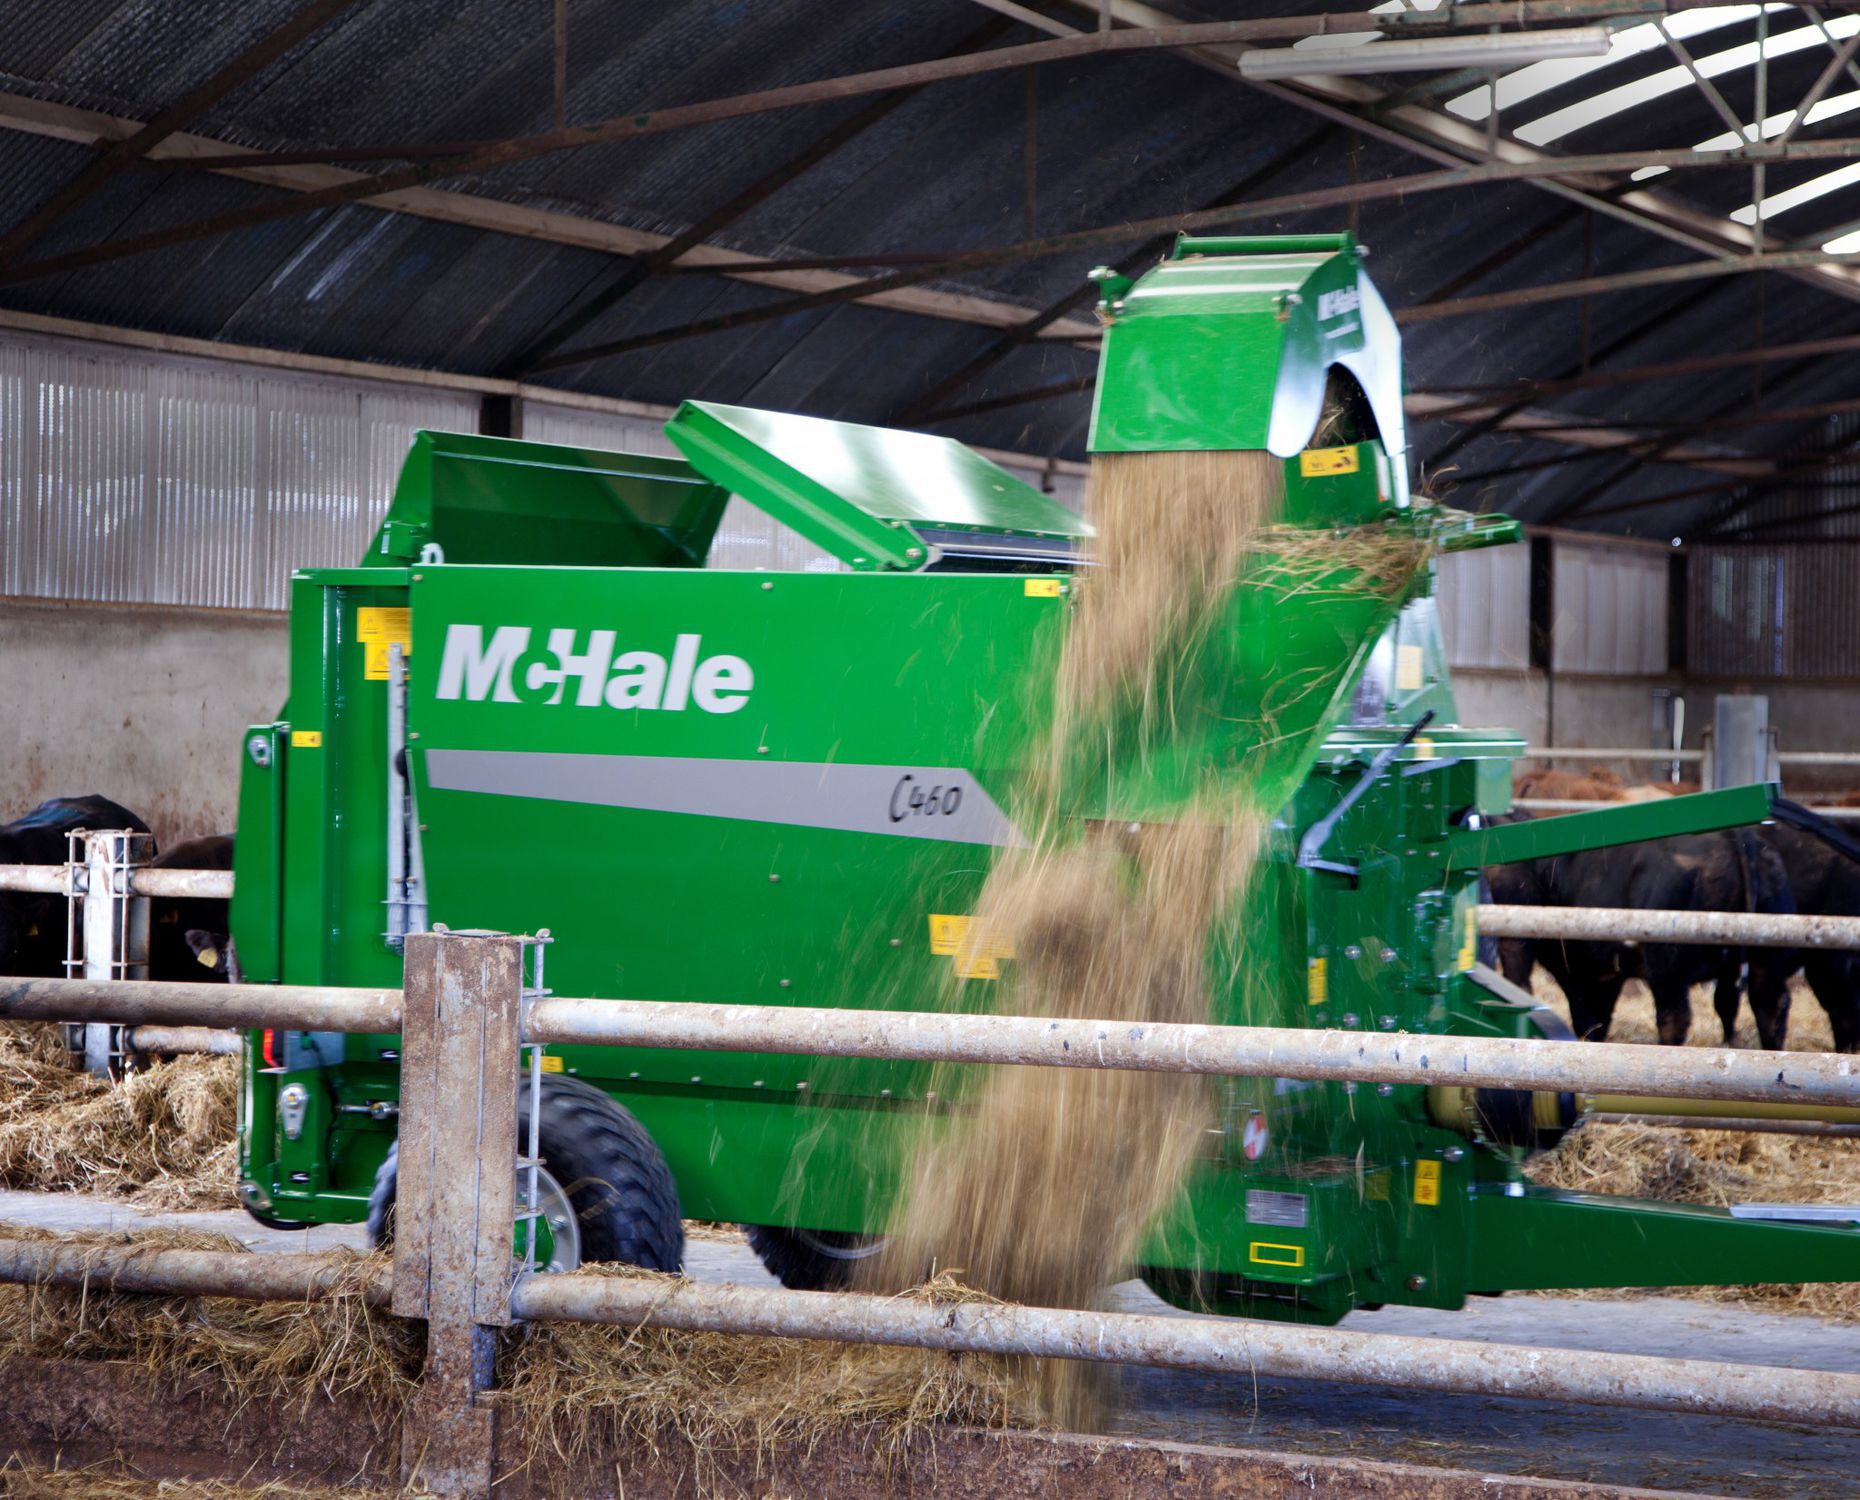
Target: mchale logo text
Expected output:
[506,670]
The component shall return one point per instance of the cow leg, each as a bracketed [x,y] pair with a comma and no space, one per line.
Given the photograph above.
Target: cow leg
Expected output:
[1517,958]
[1672,1007]
[1769,997]
[1835,980]
[1726,999]
[1592,1006]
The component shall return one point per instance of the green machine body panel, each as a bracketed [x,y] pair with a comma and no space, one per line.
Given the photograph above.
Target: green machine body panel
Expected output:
[465,498]
[765,787]
[1230,343]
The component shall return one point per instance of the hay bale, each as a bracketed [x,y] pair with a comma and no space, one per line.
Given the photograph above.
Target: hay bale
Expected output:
[166,1135]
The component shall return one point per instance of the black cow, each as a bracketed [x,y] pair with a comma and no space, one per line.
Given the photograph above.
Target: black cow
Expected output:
[187,935]
[1735,871]
[1826,883]
[32,927]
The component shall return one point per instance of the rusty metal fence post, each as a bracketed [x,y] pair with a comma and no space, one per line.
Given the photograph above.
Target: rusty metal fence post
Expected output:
[455,1198]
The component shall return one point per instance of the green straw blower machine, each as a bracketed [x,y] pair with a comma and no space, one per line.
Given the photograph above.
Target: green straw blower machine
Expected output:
[539,703]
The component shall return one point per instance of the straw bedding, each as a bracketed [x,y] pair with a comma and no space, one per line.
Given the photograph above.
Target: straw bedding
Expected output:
[113,1482]
[296,1352]
[701,1398]
[164,1136]
[714,1397]
[1042,1192]
[1713,1166]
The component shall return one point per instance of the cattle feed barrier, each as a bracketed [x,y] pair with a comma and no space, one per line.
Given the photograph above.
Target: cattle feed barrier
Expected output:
[1588,804]
[936,1036]
[453,1267]
[1623,924]
[72,880]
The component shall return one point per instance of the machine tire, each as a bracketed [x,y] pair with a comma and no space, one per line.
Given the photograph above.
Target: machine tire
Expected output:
[809,1260]
[615,1176]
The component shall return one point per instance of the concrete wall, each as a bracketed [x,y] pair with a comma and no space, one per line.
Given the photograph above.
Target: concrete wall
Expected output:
[139,704]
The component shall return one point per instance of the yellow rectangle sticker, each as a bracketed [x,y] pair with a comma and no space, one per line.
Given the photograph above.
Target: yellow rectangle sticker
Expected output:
[1263,1254]
[378,627]
[1044,588]
[1319,463]
[976,954]
[1427,1183]
[1317,980]
[551,1063]
[306,739]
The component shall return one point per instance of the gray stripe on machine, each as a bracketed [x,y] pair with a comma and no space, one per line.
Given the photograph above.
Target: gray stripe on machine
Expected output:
[801,794]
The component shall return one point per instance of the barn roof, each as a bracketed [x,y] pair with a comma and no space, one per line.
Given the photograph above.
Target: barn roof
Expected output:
[504,269]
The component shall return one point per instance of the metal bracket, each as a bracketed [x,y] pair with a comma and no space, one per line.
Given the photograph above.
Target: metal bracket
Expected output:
[1311,846]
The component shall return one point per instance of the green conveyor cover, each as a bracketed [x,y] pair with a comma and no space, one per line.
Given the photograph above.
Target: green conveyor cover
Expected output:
[864,494]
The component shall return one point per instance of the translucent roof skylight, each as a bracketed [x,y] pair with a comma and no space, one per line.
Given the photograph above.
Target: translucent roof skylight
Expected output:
[1527,83]
[1828,109]
[1610,102]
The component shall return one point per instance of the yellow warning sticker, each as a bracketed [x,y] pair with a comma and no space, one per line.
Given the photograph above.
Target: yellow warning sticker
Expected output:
[946,934]
[1045,588]
[1408,663]
[1469,939]
[1423,747]
[378,627]
[306,739]
[976,954]
[1261,1253]
[1427,1183]
[1318,463]
[1317,980]
[551,1064]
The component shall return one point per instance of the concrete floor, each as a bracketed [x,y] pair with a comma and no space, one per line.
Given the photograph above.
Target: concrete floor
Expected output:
[1547,1439]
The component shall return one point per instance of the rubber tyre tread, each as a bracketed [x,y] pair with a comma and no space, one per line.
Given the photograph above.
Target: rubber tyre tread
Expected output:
[796,1264]
[613,1172]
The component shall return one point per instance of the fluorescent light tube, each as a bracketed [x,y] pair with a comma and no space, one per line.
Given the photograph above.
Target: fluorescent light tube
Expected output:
[1427,54]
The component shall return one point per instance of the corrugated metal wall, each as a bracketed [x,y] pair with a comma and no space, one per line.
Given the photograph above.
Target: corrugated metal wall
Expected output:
[139,478]
[1791,610]
[1609,608]
[1485,607]
[143,478]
